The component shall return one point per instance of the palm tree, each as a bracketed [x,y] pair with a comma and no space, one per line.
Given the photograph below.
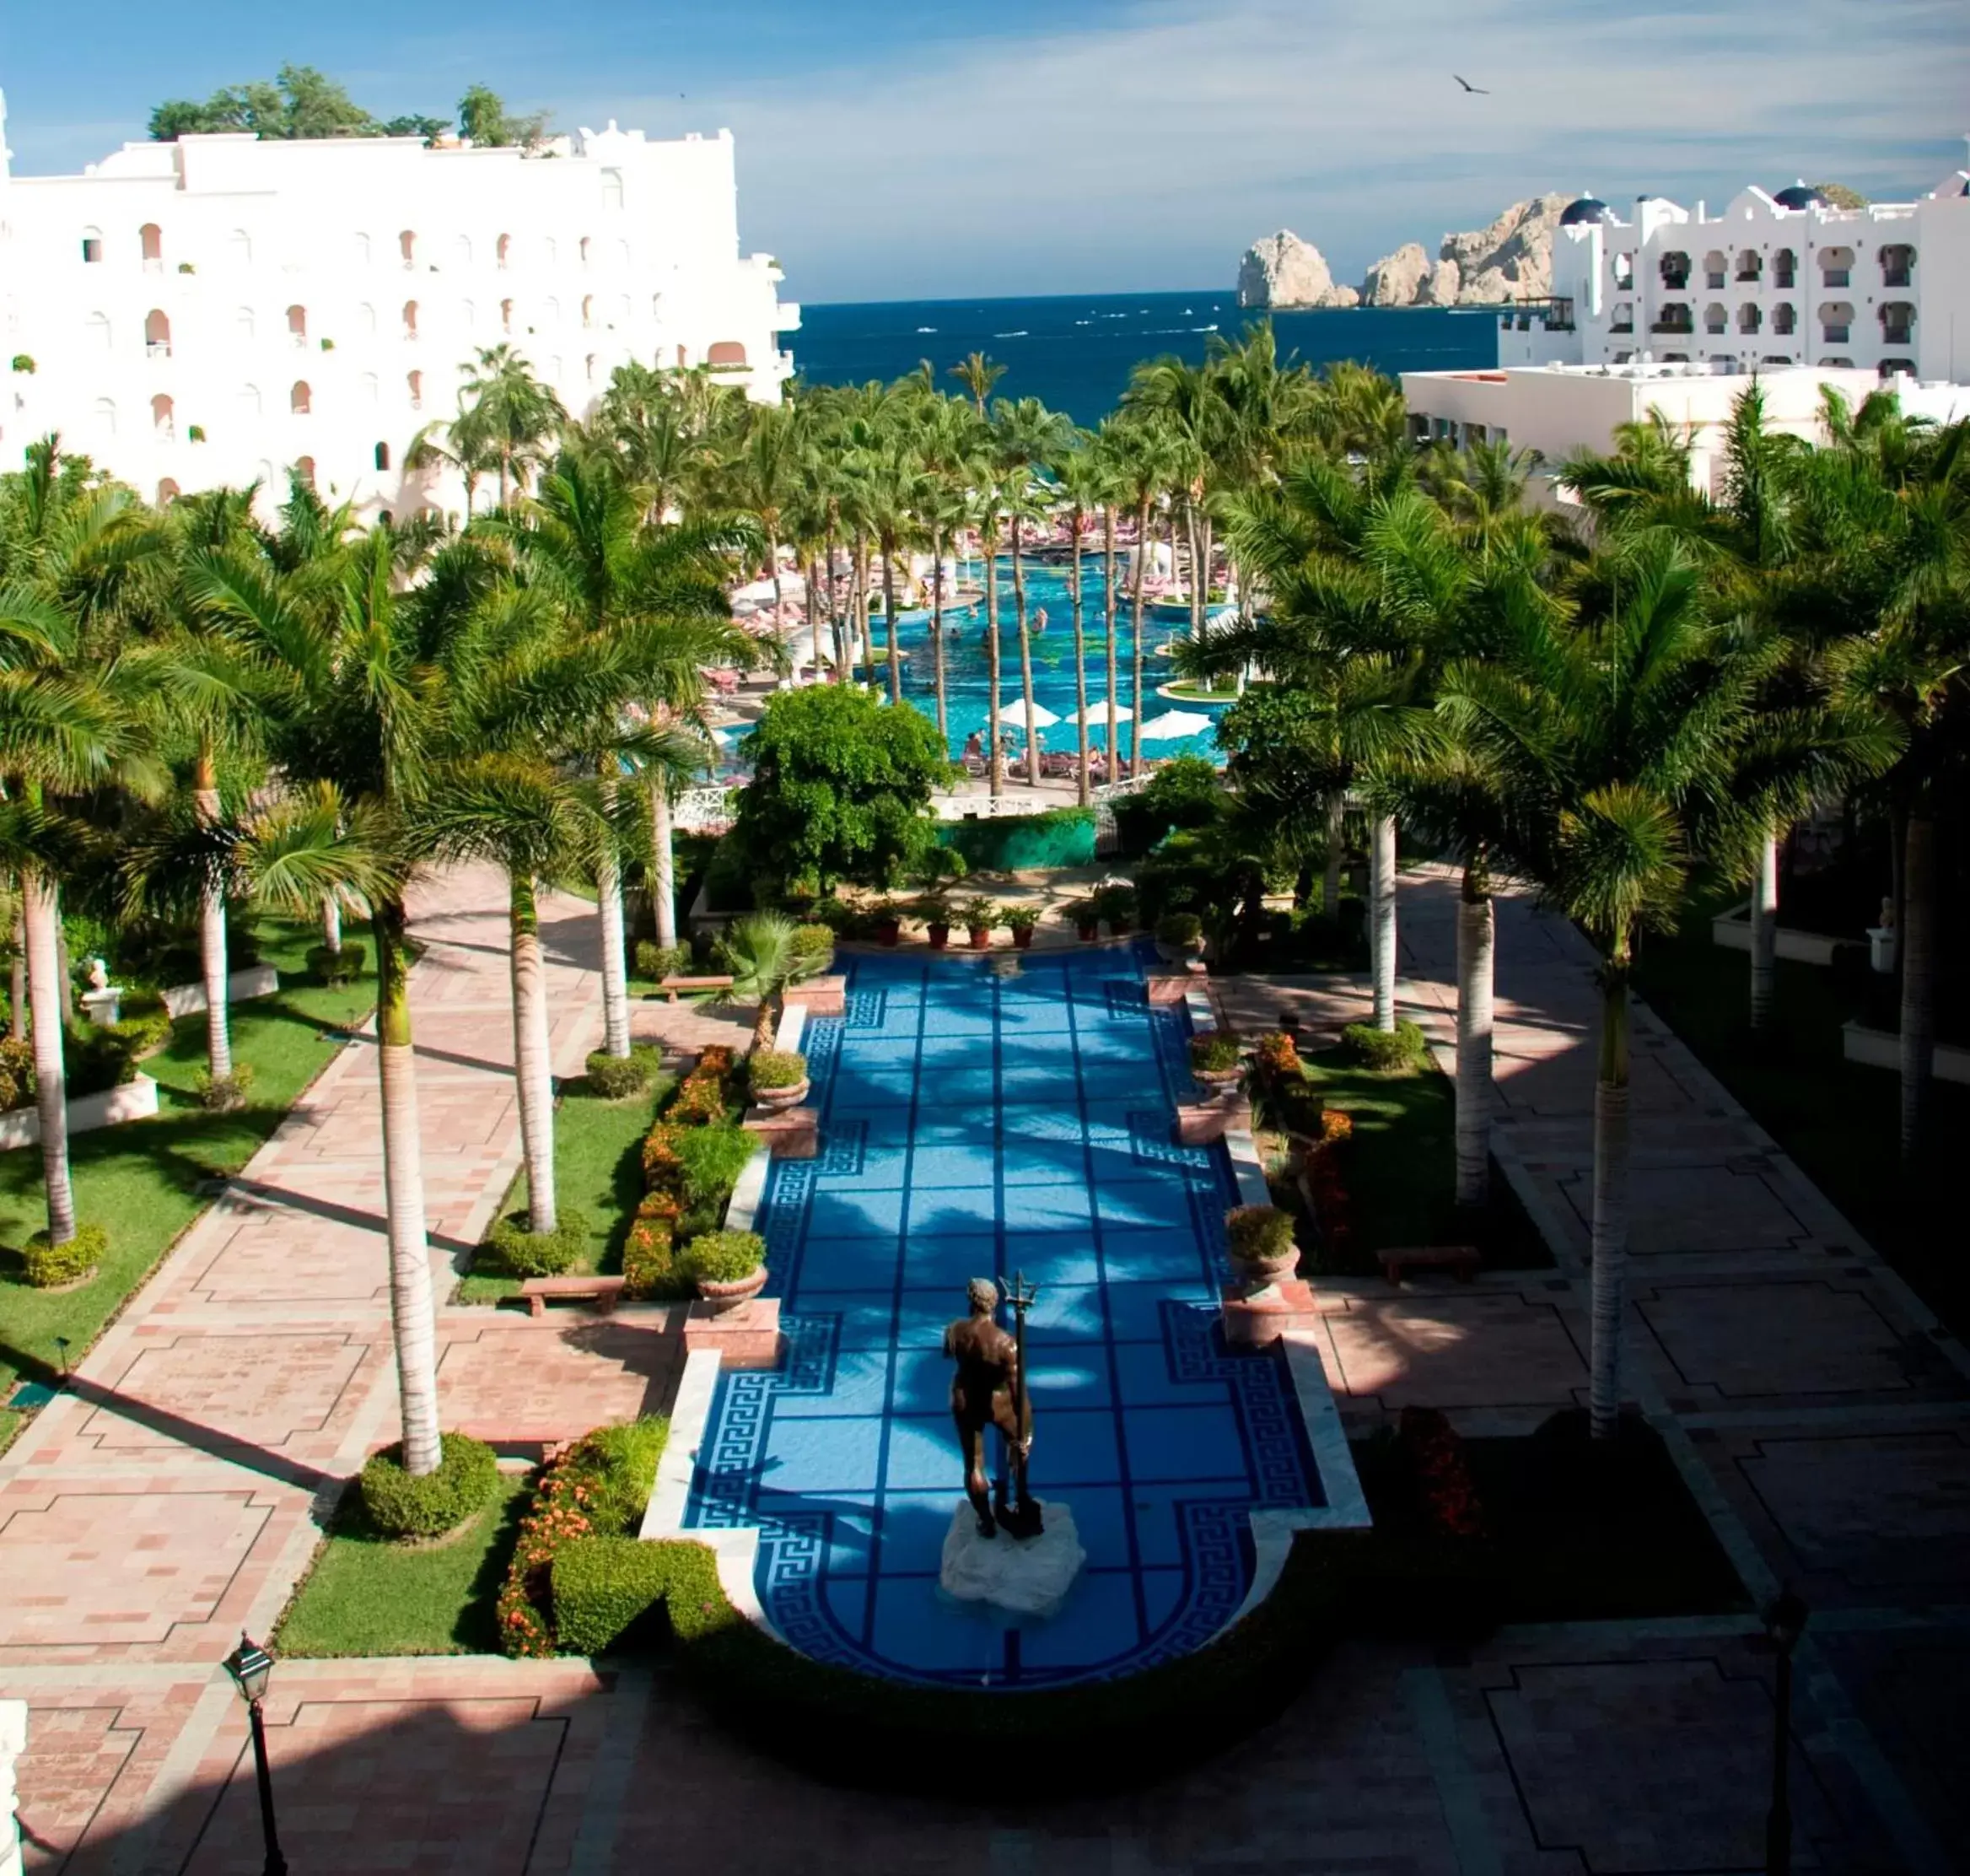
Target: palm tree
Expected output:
[978,374]
[1084,479]
[761,478]
[1623,729]
[764,959]
[506,415]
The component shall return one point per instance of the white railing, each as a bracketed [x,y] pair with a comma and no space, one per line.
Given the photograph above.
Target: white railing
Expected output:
[701,808]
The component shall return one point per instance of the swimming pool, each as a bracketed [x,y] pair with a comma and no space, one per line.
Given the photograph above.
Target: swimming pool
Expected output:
[981,1117]
[968,695]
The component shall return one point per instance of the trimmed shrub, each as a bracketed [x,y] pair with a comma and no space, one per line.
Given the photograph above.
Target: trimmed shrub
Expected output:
[776,1068]
[223,1094]
[145,1025]
[337,966]
[1179,929]
[1213,1051]
[1116,904]
[17,1073]
[813,940]
[602,1585]
[512,1250]
[1402,1048]
[1277,1057]
[657,961]
[98,1058]
[649,1253]
[400,1506]
[724,1256]
[712,1159]
[617,1077]
[47,1265]
[1259,1233]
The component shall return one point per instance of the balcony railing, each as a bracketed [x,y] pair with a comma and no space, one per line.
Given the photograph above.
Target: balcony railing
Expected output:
[1625,325]
[157,349]
[1835,277]
[1713,280]
[1898,335]
[153,263]
[1783,278]
[1834,335]
[1683,328]
[1715,328]
[1895,276]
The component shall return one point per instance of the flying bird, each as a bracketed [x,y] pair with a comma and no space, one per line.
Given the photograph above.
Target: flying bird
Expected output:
[1477,89]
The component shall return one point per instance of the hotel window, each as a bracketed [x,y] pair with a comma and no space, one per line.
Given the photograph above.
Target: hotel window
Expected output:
[1750,318]
[367,387]
[163,418]
[92,245]
[462,250]
[97,326]
[103,413]
[240,248]
[1785,320]
[298,327]
[611,188]
[504,251]
[1784,268]
[152,238]
[1897,265]
[382,454]
[1624,270]
[359,250]
[584,249]
[587,310]
[410,319]
[468,314]
[506,315]
[300,399]
[156,333]
[406,246]
[168,492]
[1751,265]
[366,318]
[305,471]
[249,402]
[414,383]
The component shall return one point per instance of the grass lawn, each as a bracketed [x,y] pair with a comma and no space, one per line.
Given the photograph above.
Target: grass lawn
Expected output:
[1400,1169]
[140,1181]
[369,1595]
[1841,1122]
[598,1169]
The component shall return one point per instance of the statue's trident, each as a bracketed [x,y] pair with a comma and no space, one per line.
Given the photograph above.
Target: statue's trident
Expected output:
[1022,1516]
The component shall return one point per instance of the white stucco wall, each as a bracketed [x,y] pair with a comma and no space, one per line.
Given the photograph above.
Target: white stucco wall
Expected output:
[226,272]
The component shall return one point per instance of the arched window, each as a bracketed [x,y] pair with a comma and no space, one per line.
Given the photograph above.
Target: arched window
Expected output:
[1784,268]
[152,238]
[305,471]
[1624,270]
[1897,265]
[92,246]
[1751,266]
[406,245]
[554,369]
[1897,368]
[1621,318]
[1750,318]
[410,319]
[656,305]
[298,326]
[506,315]
[622,310]
[243,325]
[1674,316]
[1715,267]
[504,249]
[726,352]
[249,402]
[240,248]
[366,387]
[414,383]
[1836,266]
[168,492]
[585,251]
[366,318]
[300,400]
[1784,319]
[611,188]
[1716,319]
[163,418]
[462,250]
[156,333]
[96,327]
[550,250]
[587,310]
[589,368]
[622,254]
[1897,318]
[359,250]
[1836,321]
[1674,268]
[549,313]
[382,454]
[103,415]
[468,314]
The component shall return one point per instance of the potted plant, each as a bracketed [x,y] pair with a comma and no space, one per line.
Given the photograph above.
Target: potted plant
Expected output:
[888,920]
[777,1078]
[1214,1058]
[1087,918]
[934,909]
[1116,904]
[1180,937]
[1261,1245]
[980,915]
[1019,920]
[728,1267]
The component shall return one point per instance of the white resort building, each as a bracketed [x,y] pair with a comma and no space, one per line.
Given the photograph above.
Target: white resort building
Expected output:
[1674,312]
[216,309]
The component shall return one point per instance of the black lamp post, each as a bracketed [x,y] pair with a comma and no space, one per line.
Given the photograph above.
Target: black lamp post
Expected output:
[1785,1618]
[250,1667]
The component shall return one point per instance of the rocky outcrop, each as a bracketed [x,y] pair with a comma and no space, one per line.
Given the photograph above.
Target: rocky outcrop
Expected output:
[1512,259]
[1282,273]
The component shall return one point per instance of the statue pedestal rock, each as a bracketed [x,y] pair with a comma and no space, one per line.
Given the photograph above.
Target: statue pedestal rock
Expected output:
[1029,1578]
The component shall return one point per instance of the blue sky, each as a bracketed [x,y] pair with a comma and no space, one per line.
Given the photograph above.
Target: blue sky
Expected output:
[891,151]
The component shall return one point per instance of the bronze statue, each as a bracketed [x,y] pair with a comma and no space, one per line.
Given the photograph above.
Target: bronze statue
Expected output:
[989,1389]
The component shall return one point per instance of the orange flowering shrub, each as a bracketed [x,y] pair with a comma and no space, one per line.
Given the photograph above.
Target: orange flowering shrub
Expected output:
[1446,1493]
[1335,1127]
[649,1253]
[1277,1058]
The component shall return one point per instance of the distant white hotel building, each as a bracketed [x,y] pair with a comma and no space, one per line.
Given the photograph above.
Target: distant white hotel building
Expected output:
[210,311]
[1674,311]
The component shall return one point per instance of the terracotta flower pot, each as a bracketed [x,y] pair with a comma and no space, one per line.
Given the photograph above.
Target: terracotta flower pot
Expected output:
[888,931]
[1022,937]
[1254,1272]
[939,937]
[1216,1077]
[774,1099]
[981,937]
[723,1296]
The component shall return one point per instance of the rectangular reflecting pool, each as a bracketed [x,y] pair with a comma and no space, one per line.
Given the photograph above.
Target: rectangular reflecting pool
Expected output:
[981,1117]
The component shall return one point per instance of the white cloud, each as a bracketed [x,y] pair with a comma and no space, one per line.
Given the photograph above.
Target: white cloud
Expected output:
[1149,152]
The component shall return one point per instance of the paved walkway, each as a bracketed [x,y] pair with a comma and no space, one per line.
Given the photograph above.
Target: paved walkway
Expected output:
[1818,1413]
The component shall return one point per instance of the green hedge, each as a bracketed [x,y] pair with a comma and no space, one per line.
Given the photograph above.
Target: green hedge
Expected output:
[1403,1047]
[400,1506]
[1061,837]
[46,1265]
[512,1250]
[617,1077]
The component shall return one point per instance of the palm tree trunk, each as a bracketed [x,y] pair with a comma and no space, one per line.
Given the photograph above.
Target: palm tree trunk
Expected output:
[532,1056]
[211,943]
[41,913]
[889,613]
[1018,595]
[66,989]
[17,1000]
[663,864]
[1110,769]
[859,631]
[937,633]
[403,1185]
[331,924]
[1918,978]
[1080,665]
[773,561]
[1764,931]
[1135,626]
[766,1024]
[1476,937]
[997,768]
[1330,885]
[834,608]
[1382,897]
[1610,1204]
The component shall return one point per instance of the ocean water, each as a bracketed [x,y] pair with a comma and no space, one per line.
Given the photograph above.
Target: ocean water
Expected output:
[1074,352]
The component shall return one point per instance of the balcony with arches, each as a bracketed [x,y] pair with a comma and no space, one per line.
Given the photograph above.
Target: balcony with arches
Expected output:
[163,418]
[414,388]
[1750,317]
[503,252]
[1751,267]
[1674,268]
[406,247]
[298,327]
[1836,322]
[1621,317]
[1674,317]
[1785,320]
[1897,265]
[1716,319]
[1785,269]
[1716,270]
[151,238]
[300,399]
[1897,318]
[156,333]
[410,320]
[1836,266]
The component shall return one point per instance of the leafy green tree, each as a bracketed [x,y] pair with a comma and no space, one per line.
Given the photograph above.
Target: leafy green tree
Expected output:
[300,102]
[840,788]
[507,417]
[764,958]
[483,117]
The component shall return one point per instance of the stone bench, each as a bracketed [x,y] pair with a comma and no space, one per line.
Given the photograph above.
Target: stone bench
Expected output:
[671,985]
[1461,1259]
[605,1292]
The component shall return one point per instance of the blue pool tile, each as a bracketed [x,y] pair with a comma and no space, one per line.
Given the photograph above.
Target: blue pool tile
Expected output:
[1118,1081]
[962,1211]
[1070,1378]
[1192,1442]
[867,1318]
[885,1127]
[1027,1083]
[914,1526]
[1129,1199]
[854,1214]
[948,1261]
[848,1263]
[922,1454]
[973,1020]
[1066,1313]
[1136,1309]
[1100,1519]
[1054,1260]
[809,1459]
[940,1052]
[1143,1372]
[922,1382]
[1099,1619]
[873,1088]
[851,1539]
[1046,1208]
[974,1163]
[1159,1537]
[1170,1255]
[1162,1593]
[925,1314]
[861,1386]
[1074,1448]
[847,1604]
[876,1053]
[917,1630]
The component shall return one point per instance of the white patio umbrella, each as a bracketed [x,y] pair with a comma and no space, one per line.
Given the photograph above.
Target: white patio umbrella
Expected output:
[1173,724]
[1012,714]
[1097,715]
